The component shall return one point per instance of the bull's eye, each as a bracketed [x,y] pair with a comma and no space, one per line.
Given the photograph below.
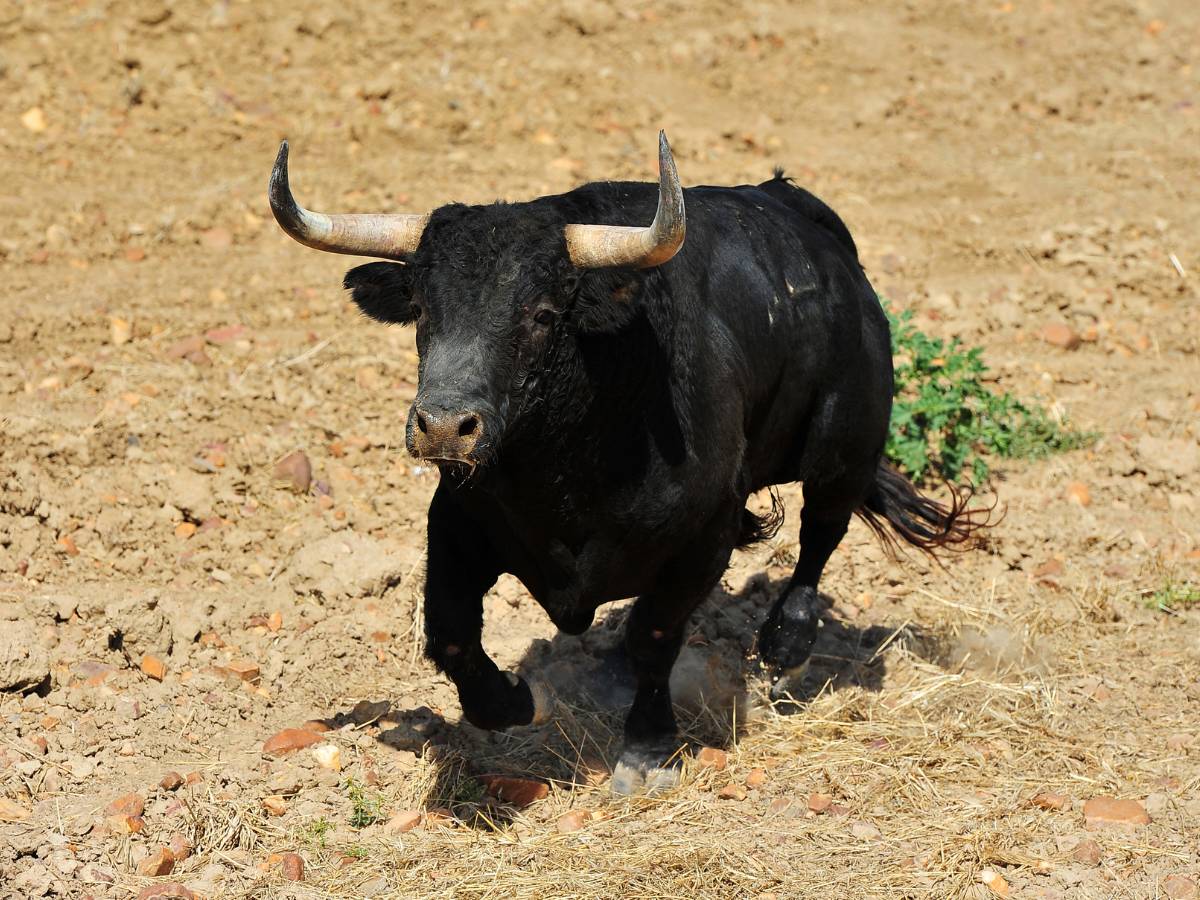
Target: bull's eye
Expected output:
[544,316]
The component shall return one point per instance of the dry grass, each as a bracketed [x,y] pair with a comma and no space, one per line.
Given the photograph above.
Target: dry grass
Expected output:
[933,771]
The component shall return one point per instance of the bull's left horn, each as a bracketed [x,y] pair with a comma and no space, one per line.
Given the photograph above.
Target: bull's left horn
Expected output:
[383,235]
[595,246]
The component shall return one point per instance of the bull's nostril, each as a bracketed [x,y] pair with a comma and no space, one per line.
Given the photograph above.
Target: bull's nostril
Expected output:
[468,426]
[421,423]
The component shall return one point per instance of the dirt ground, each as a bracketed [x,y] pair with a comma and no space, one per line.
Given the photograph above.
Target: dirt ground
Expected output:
[166,606]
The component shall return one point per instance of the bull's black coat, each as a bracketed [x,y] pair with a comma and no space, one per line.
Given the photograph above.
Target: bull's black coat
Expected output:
[627,415]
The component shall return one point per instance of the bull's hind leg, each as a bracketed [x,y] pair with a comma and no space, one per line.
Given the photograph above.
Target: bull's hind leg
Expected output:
[654,633]
[790,630]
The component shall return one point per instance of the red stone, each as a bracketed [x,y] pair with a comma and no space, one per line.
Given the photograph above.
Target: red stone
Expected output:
[289,740]
[126,805]
[517,791]
[1100,811]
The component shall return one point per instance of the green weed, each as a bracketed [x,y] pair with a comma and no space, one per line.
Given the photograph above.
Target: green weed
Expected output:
[365,809]
[1174,596]
[946,422]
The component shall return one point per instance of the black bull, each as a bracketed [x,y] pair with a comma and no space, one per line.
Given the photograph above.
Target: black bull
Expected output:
[599,427]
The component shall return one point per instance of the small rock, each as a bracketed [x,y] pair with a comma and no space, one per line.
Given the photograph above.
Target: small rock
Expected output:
[572,821]
[1087,852]
[135,254]
[712,758]
[172,889]
[217,239]
[1078,492]
[180,847]
[328,756]
[185,530]
[1049,800]
[34,119]
[275,805]
[172,781]
[402,822]
[757,778]
[294,471]
[732,792]
[126,824]
[119,330]
[1100,811]
[153,667]
[994,882]
[289,740]
[820,803]
[126,805]
[243,670]
[785,807]
[1062,336]
[292,865]
[1180,887]
[517,791]
[158,863]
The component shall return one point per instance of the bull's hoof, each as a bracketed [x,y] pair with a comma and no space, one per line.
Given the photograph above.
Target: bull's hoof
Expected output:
[647,770]
[508,702]
[789,633]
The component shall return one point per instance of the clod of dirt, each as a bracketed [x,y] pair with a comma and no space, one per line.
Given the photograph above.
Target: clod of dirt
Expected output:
[292,866]
[1088,852]
[712,758]
[12,812]
[519,792]
[1050,800]
[732,792]
[172,890]
[1062,336]
[1180,887]
[347,565]
[160,862]
[24,658]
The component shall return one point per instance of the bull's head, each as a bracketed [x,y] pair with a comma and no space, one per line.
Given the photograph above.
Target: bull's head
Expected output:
[489,289]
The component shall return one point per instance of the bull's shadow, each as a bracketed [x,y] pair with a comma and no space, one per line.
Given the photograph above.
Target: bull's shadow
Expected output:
[714,686]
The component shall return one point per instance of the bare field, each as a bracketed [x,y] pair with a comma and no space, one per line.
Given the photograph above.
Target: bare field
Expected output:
[167,606]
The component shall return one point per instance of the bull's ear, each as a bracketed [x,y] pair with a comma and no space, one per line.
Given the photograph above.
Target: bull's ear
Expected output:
[607,300]
[384,291]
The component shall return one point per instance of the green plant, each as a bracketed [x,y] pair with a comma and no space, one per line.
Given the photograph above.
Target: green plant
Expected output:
[1174,595]
[365,809]
[946,421]
[318,829]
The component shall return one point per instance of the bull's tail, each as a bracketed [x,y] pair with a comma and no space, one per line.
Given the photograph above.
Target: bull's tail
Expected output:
[895,508]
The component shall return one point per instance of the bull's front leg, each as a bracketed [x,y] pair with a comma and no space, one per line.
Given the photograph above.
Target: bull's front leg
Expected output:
[462,566]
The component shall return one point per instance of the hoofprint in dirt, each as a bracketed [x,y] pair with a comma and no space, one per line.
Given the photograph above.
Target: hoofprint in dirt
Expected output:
[172,597]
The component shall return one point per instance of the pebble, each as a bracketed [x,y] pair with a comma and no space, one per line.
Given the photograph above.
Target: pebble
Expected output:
[572,821]
[34,119]
[172,889]
[1061,336]
[1087,852]
[402,822]
[732,792]
[517,791]
[328,756]
[712,758]
[275,805]
[243,670]
[290,740]
[158,863]
[1100,811]
[293,867]
[294,471]
[185,530]
[126,805]
[1078,492]
[994,882]
[172,781]
[757,778]
[180,847]
[153,667]
[820,803]
[1180,887]
[1050,800]
[119,331]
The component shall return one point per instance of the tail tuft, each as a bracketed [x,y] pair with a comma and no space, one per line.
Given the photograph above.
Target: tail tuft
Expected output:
[758,528]
[924,523]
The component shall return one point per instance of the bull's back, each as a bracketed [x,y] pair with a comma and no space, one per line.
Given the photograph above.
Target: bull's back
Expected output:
[811,350]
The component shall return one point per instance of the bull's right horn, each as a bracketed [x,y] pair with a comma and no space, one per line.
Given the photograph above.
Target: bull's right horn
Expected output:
[382,235]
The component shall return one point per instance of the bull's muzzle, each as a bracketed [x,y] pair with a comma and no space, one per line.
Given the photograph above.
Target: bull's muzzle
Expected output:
[449,435]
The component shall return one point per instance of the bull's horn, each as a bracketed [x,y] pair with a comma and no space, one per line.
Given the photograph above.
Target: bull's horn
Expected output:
[594,246]
[384,235]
